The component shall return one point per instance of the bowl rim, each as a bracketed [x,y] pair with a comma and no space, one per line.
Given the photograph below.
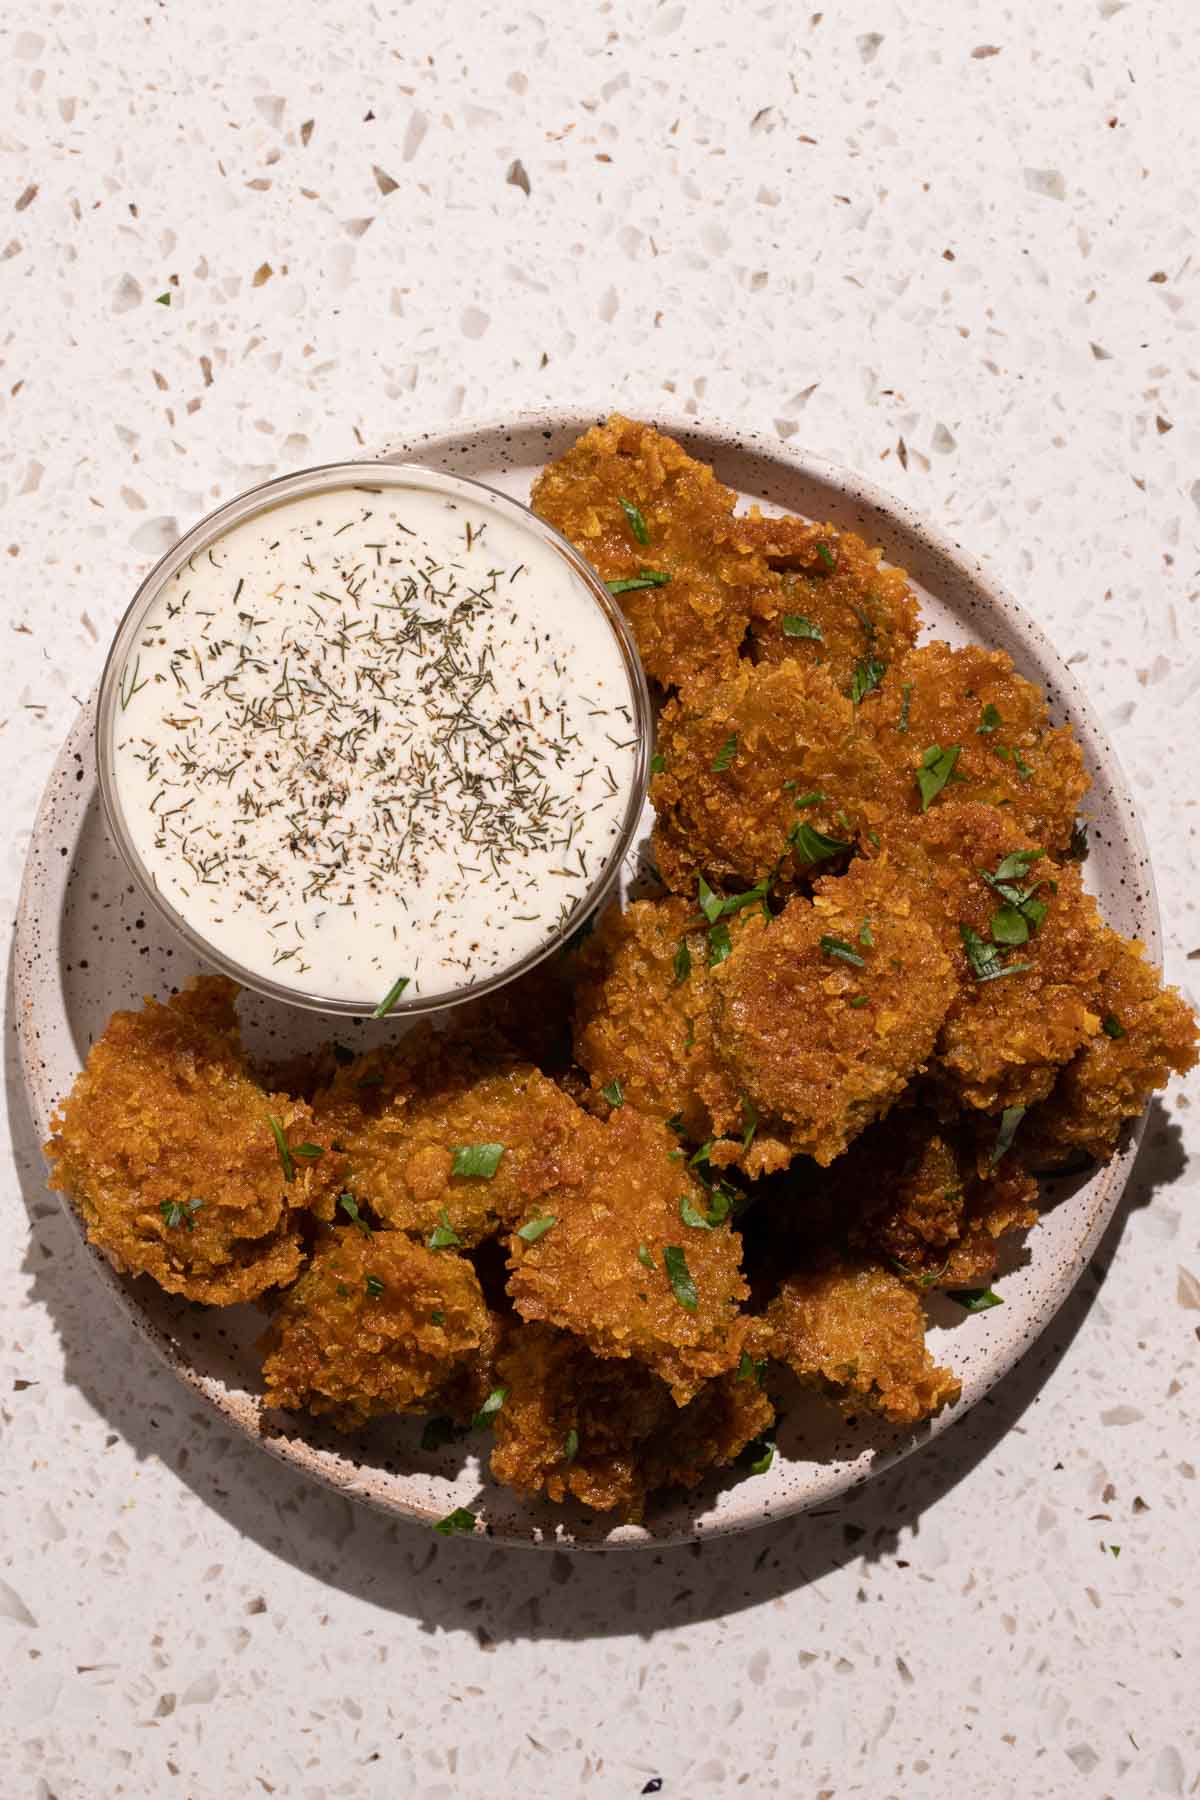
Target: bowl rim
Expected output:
[254,503]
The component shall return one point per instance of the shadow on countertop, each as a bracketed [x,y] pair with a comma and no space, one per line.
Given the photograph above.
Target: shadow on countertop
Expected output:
[505,1593]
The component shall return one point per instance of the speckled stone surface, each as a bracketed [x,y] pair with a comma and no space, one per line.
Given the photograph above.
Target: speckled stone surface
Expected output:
[951,247]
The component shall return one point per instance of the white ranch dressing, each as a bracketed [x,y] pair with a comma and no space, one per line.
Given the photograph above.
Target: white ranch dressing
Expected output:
[374,736]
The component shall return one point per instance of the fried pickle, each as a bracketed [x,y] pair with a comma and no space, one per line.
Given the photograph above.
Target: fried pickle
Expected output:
[624,1269]
[166,1146]
[607,1433]
[379,1324]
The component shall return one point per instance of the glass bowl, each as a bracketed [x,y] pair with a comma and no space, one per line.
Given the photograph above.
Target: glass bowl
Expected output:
[250,505]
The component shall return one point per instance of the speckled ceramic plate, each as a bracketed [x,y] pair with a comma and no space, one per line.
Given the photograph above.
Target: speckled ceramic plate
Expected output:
[84,947]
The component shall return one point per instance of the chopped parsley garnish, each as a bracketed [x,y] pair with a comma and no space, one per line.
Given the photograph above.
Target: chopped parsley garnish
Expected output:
[977,1299]
[180,1212]
[1010,1118]
[613,1092]
[710,904]
[1111,1026]
[826,555]
[683,962]
[750,1370]
[1077,850]
[749,1122]
[866,678]
[835,946]
[390,998]
[725,754]
[373,1286]
[937,766]
[281,1144]
[989,720]
[439,1431]
[645,578]
[657,764]
[570,1449]
[461,1519]
[533,1229]
[757,1456]
[675,1124]
[795,625]
[985,959]
[811,845]
[701,1156]
[678,1274]
[719,945]
[645,1258]
[905,703]
[1022,912]
[859,1000]
[813,798]
[866,935]
[309,1152]
[349,1206]
[1023,768]
[637,523]
[477,1159]
[490,1408]
[692,1216]
[443,1236]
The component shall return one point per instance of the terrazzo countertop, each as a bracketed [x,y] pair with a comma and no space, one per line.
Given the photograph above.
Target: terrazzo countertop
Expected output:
[951,247]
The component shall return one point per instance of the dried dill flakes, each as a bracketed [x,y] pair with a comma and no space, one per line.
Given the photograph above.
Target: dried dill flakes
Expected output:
[533,1229]
[481,1160]
[984,958]
[645,578]
[1010,1118]
[443,1236]
[461,1519]
[725,754]
[490,1408]
[281,1144]
[937,766]
[977,1299]
[637,523]
[757,1456]
[795,625]
[679,1275]
[180,1212]
[391,997]
[835,946]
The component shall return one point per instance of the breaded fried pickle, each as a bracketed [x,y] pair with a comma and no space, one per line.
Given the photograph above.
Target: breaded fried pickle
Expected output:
[624,1270]
[166,1146]
[765,776]
[825,1014]
[379,1324]
[856,1331]
[607,1432]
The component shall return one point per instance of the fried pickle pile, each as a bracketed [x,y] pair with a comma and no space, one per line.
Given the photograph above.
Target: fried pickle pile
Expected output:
[746,1127]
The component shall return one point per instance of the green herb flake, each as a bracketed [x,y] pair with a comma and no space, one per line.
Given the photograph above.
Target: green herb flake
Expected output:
[866,935]
[461,1519]
[710,904]
[1023,768]
[795,625]
[835,946]
[859,1000]
[438,1432]
[309,1152]
[437,1317]
[725,754]
[812,846]
[637,523]
[645,1258]
[757,1456]
[613,1092]
[828,559]
[691,1216]
[866,678]
[162,299]
[989,720]
[984,958]
[281,1144]
[675,1124]
[1111,1026]
[443,1236]
[1010,1118]
[391,997]
[645,578]
[490,1408]
[570,1449]
[657,764]
[719,945]
[533,1229]
[180,1212]
[678,1274]
[481,1160]
[749,1122]
[975,1300]
[349,1206]
[937,766]
[373,1286]
[905,703]
[813,798]
[749,1369]
[683,962]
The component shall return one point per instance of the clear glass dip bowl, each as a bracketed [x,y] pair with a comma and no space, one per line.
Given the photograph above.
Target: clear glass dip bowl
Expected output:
[257,501]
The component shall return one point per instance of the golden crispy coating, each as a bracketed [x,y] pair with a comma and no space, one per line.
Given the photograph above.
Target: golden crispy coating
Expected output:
[972,700]
[1148,1032]
[379,1324]
[608,1432]
[1004,1038]
[765,758]
[166,1147]
[588,1273]
[856,1331]
[692,626]
[642,1021]
[836,586]
[826,1013]
[400,1113]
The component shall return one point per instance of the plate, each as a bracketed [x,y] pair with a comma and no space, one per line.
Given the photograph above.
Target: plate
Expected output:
[84,946]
